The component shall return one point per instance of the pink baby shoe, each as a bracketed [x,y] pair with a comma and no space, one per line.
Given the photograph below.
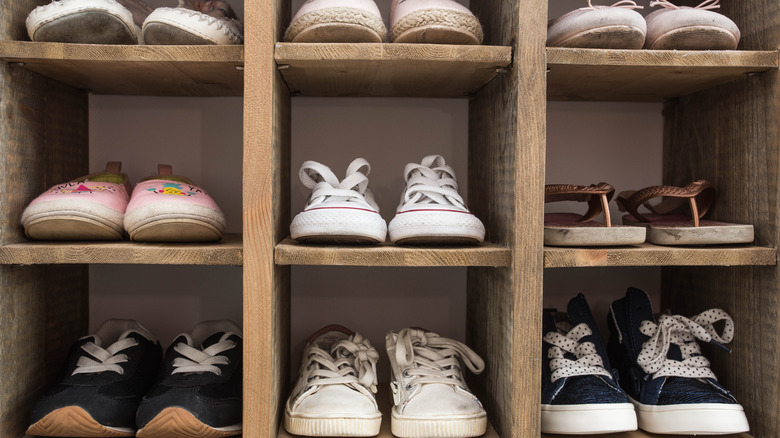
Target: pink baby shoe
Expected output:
[86,208]
[194,22]
[433,22]
[617,26]
[168,208]
[337,21]
[684,28]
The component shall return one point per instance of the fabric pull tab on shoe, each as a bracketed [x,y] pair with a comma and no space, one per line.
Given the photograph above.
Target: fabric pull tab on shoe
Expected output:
[396,393]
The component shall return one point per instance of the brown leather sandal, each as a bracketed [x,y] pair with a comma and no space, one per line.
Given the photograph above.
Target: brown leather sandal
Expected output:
[571,229]
[667,223]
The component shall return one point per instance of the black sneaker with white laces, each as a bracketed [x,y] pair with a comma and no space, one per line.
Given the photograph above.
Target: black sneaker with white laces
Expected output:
[199,390]
[101,384]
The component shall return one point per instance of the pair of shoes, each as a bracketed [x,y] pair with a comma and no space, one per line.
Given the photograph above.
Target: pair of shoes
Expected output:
[660,381]
[620,27]
[334,394]
[134,22]
[359,21]
[114,383]
[162,208]
[431,209]
[666,224]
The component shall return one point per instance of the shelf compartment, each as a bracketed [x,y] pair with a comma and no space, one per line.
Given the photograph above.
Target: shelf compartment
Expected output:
[228,251]
[398,70]
[134,70]
[290,252]
[646,75]
[655,255]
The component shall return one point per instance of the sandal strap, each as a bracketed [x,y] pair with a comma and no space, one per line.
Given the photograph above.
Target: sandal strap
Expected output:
[698,194]
[596,195]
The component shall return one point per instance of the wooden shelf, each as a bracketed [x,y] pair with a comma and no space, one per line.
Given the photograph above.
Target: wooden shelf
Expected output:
[289,252]
[646,75]
[643,434]
[134,70]
[229,251]
[655,255]
[412,70]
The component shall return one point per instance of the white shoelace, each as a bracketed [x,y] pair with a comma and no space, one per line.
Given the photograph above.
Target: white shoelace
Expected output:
[683,332]
[108,359]
[435,359]
[588,361]
[706,4]
[627,4]
[432,182]
[326,187]
[202,361]
[350,362]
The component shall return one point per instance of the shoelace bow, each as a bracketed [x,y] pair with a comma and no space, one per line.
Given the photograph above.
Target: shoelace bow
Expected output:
[108,359]
[683,332]
[706,4]
[588,361]
[202,361]
[627,4]
[429,358]
[351,361]
[431,182]
[325,185]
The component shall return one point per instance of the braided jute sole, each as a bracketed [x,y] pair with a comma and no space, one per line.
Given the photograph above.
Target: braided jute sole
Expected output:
[437,26]
[336,25]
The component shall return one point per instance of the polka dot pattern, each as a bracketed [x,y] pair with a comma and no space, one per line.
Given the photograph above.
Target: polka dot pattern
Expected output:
[588,361]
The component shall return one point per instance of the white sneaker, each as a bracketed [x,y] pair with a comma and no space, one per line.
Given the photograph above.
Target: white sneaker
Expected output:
[431,209]
[86,22]
[433,22]
[337,21]
[334,395]
[214,23]
[338,211]
[430,396]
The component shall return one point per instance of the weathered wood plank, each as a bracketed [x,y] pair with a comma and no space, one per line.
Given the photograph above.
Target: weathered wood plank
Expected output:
[653,255]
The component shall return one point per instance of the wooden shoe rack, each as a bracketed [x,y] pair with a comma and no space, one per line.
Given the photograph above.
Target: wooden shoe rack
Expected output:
[722,122]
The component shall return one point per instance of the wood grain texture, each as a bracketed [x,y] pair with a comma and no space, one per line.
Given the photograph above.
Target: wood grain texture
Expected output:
[135,70]
[646,75]
[422,70]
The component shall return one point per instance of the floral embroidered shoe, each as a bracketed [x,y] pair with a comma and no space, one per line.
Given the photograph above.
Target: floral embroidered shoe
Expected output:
[433,22]
[337,21]
[334,394]
[88,21]
[200,391]
[338,211]
[197,22]
[88,208]
[101,384]
[599,27]
[579,393]
[663,371]
[168,208]
[684,28]
[430,397]
[431,209]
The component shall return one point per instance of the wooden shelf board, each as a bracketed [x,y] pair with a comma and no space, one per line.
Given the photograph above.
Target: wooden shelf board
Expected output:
[645,75]
[229,251]
[643,434]
[134,70]
[411,70]
[290,252]
[654,255]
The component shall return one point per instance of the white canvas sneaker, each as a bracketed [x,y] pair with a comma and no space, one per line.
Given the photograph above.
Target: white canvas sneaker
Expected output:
[198,22]
[338,211]
[88,21]
[334,394]
[430,397]
[337,21]
[433,22]
[431,209]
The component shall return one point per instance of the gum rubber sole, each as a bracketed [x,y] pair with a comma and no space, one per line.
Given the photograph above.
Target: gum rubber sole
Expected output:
[355,427]
[74,421]
[179,423]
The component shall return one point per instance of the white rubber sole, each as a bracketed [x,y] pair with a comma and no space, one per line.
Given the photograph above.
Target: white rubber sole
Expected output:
[693,419]
[72,219]
[588,419]
[174,222]
[297,424]
[338,225]
[436,226]
[461,426]
[83,21]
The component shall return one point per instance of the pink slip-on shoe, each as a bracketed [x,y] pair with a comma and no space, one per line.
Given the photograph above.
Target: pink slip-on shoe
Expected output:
[684,28]
[617,26]
[86,208]
[337,21]
[168,208]
[433,22]
[194,22]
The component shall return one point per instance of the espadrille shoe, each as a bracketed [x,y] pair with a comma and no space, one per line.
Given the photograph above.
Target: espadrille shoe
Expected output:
[599,27]
[433,22]
[88,208]
[684,28]
[337,21]
[197,22]
[168,208]
[88,21]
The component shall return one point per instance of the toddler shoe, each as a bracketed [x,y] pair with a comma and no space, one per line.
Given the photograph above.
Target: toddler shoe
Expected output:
[599,27]
[337,21]
[684,28]
[88,21]
[338,211]
[168,208]
[197,22]
[433,22]
[101,384]
[430,397]
[431,209]
[87,208]
[663,371]
[334,394]
[199,393]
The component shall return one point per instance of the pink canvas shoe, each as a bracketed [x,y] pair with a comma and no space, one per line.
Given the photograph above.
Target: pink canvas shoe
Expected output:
[617,26]
[198,22]
[433,22]
[684,28]
[337,21]
[168,208]
[88,21]
[86,208]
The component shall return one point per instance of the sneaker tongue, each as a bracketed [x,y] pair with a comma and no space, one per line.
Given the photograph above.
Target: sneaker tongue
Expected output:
[579,313]
[214,339]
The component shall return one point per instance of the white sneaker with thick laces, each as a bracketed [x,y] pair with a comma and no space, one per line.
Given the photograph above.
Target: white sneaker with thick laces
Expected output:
[334,394]
[338,211]
[430,397]
[431,209]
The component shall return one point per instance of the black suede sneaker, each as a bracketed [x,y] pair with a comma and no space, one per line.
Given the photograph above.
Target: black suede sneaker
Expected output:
[101,384]
[199,390]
